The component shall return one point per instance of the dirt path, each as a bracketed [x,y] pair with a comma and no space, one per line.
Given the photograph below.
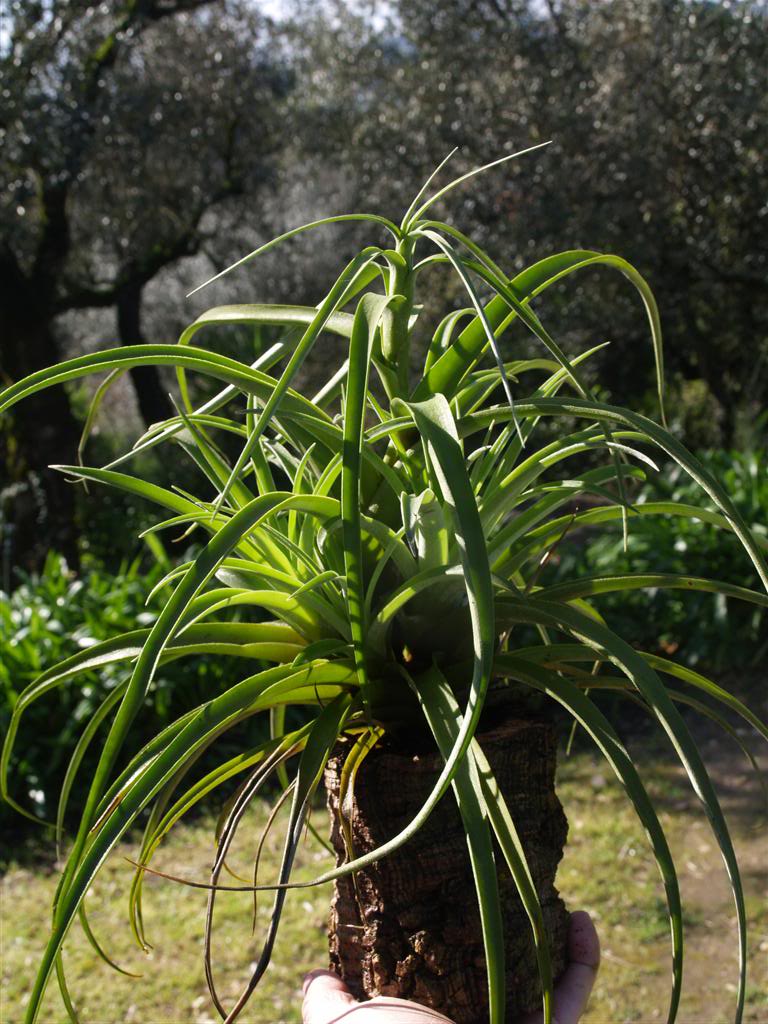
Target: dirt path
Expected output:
[609,865]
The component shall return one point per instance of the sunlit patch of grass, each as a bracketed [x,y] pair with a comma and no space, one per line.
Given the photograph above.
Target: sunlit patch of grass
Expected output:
[608,869]
[172,988]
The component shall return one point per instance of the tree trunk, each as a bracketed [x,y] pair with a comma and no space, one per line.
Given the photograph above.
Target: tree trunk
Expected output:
[37,504]
[152,398]
[409,925]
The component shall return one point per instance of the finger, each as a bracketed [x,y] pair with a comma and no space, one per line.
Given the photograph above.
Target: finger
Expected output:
[583,940]
[325,997]
[575,985]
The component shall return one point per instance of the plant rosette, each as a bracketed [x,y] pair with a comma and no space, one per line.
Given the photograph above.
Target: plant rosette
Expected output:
[384,541]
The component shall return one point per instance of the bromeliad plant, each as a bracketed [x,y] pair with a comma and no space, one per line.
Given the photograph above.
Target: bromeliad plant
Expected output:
[390,532]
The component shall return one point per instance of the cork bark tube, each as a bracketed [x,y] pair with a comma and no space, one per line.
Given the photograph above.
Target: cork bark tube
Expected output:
[409,925]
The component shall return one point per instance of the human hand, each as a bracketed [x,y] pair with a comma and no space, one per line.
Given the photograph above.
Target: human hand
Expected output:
[575,983]
[327,1000]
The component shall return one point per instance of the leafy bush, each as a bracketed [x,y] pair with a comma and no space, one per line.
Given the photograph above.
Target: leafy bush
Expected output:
[56,614]
[699,628]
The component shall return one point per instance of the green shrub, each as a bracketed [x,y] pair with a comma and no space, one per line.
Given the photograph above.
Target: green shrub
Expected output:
[699,628]
[56,614]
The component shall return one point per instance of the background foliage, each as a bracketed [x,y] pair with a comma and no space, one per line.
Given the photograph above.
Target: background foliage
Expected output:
[148,143]
[55,614]
[697,629]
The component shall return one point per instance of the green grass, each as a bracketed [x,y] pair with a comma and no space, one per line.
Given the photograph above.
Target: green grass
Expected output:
[173,985]
[608,869]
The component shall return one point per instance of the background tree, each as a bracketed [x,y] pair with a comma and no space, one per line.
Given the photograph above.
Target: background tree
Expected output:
[123,127]
[136,135]
[658,114]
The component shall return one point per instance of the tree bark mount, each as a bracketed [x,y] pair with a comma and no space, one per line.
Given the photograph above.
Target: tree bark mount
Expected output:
[409,925]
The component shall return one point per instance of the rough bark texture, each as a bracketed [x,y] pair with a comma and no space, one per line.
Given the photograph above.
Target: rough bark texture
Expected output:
[37,504]
[409,925]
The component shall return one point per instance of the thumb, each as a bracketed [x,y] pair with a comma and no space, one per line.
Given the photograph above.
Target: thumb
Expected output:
[325,997]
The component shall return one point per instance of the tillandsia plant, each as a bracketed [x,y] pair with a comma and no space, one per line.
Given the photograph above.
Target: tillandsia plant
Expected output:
[388,536]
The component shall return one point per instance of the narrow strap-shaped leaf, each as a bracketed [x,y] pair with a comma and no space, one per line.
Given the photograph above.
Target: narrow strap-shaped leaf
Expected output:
[534,324]
[272,641]
[504,452]
[351,272]
[701,682]
[338,219]
[274,811]
[655,433]
[456,263]
[161,823]
[442,337]
[204,566]
[93,409]
[306,616]
[511,536]
[307,684]
[120,648]
[415,201]
[622,686]
[416,215]
[504,496]
[277,315]
[606,738]
[508,294]
[444,718]
[593,586]
[450,368]
[330,391]
[226,830]
[381,564]
[353,761]
[210,460]
[162,432]
[643,289]
[319,744]
[66,998]
[299,487]
[78,754]
[557,654]
[96,946]
[541,536]
[367,320]
[530,609]
[213,364]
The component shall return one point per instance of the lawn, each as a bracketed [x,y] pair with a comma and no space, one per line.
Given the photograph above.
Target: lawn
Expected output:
[608,870]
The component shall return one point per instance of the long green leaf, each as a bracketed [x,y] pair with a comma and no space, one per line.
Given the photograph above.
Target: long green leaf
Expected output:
[367,320]
[268,688]
[606,738]
[658,435]
[557,616]
[338,219]
[346,279]
[317,750]
[593,586]
[444,718]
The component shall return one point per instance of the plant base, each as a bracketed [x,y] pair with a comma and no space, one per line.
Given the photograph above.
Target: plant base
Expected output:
[409,925]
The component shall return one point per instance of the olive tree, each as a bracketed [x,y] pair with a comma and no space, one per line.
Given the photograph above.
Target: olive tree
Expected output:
[123,127]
